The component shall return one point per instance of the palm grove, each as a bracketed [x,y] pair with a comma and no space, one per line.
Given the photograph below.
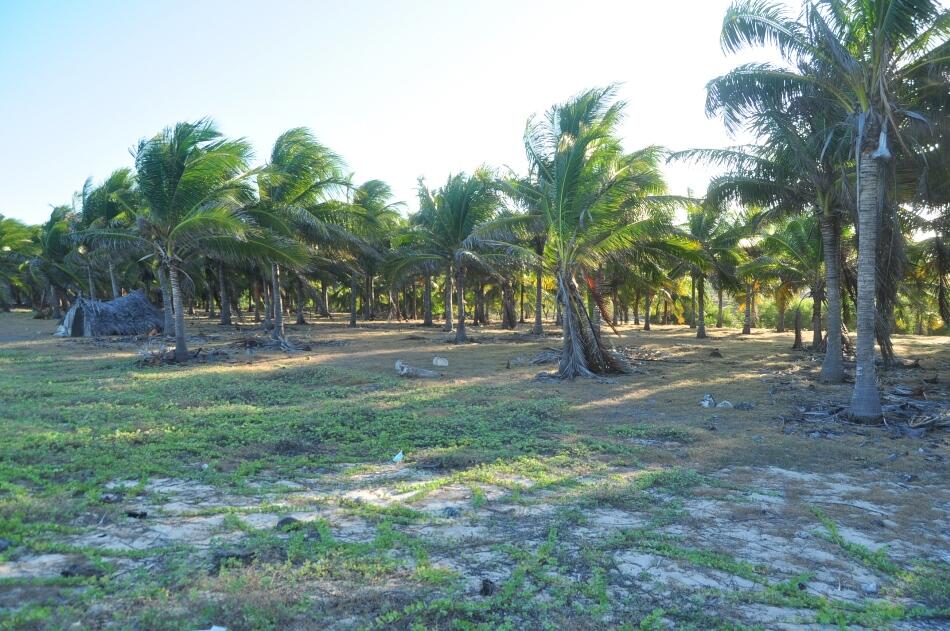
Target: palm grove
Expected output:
[839,205]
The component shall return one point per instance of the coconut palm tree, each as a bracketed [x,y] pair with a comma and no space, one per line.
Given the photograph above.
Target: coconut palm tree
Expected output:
[596,199]
[716,236]
[296,204]
[16,247]
[111,204]
[884,64]
[193,184]
[795,167]
[792,255]
[49,267]
[451,228]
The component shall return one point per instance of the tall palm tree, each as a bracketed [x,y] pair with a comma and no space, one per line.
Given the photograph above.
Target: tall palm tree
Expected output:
[795,167]
[193,184]
[717,237]
[596,199]
[448,230]
[884,63]
[296,204]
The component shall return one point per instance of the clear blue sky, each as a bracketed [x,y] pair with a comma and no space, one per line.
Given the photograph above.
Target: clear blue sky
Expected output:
[400,89]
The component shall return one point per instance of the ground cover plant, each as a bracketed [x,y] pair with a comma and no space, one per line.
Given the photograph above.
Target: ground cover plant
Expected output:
[258,490]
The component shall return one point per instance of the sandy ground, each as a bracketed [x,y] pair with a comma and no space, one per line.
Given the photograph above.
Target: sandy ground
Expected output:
[764,479]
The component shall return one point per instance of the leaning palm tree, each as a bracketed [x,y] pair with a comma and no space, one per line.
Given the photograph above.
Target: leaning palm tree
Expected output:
[49,267]
[596,199]
[193,183]
[16,247]
[883,63]
[110,204]
[296,204]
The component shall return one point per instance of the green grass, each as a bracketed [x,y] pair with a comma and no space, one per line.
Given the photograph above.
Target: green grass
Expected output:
[525,466]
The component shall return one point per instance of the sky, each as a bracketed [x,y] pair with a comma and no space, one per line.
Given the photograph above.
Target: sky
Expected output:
[400,88]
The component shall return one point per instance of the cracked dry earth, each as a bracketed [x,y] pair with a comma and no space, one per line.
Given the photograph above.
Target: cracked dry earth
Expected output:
[712,547]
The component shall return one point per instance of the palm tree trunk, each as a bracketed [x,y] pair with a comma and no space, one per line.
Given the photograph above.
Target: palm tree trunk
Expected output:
[521,319]
[646,310]
[636,308]
[508,311]
[427,301]
[353,290]
[268,310]
[797,344]
[324,299]
[538,328]
[719,313]
[832,367]
[55,310]
[181,342]
[92,285]
[583,353]
[167,309]
[816,318]
[256,298]
[223,294]
[278,306]
[865,398]
[211,313]
[692,303]
[115,281]
[782,307]
[448,298]
[301,301]
[460,336]
[747,325]
[701,321]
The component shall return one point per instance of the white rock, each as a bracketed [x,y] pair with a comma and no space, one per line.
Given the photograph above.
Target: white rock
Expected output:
[440,361]
[724,404]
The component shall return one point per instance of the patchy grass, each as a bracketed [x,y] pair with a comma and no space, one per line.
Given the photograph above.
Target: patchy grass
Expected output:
[508,510]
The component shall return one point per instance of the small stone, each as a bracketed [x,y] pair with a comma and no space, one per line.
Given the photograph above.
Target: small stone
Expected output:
[869,587]
[715,353]
[5,544]
[488,587]
[724,404]
[440,361]
[287,524]
[814,435]
[450,512]
[137,514]
[708,401]
[110,498]
[745,405]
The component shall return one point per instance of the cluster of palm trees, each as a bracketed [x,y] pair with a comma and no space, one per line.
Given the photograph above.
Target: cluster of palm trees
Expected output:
[842,198]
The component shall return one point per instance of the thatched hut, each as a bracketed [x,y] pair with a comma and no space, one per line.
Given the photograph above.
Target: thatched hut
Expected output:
[131,314]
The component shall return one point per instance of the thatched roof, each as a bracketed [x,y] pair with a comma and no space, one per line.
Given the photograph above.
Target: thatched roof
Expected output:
[131,314]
